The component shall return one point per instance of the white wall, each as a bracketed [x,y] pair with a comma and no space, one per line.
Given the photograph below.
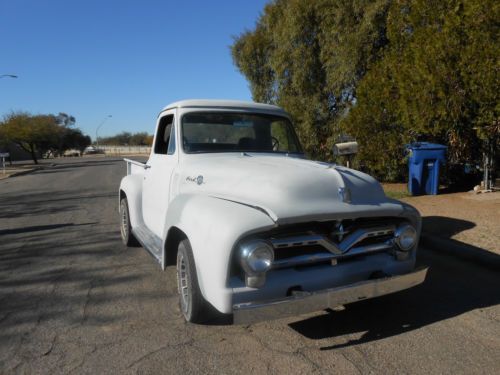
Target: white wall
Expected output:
[125,150]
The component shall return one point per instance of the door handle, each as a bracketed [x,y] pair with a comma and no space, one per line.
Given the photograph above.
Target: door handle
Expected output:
[146,166]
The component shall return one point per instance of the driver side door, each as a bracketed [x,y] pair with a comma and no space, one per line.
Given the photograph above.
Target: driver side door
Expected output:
[160,167]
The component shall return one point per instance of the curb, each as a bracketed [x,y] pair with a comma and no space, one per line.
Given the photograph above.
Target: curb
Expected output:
[461,250]
[20,173]
[24,172]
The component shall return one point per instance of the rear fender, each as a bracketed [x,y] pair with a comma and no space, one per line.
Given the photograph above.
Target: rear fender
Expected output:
[131,186]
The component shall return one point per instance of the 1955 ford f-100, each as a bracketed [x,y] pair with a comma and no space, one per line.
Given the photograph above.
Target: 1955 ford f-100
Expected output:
[254,229]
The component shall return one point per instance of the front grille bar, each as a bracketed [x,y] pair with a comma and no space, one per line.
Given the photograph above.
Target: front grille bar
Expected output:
[361,234]
[345,248]
[306,240]
[324,257]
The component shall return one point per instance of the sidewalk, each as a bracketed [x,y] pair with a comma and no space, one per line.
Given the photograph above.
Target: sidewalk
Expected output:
[463,224]
[15,170]
[19,168]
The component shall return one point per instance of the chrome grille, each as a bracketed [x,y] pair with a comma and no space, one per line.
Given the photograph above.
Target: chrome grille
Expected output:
[360,241]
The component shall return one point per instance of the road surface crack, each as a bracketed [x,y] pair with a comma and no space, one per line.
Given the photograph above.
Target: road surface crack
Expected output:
[351,362]
[147,355]
[87,301]
[82,362]
[52,344]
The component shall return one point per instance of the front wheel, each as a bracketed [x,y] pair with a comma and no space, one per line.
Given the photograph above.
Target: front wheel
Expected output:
[193,305]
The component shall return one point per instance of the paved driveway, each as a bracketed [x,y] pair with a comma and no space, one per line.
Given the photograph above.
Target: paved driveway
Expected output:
[73,299]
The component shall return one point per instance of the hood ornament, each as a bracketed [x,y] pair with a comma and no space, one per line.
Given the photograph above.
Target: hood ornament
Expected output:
[345,194]
[339,231]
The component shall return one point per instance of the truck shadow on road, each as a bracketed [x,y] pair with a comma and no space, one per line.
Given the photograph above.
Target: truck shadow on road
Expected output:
[437,232]
[445,226]
[453,287]
[45,203]
[38,228]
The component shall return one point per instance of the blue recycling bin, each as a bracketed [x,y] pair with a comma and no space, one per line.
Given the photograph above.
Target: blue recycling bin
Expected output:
[423,164]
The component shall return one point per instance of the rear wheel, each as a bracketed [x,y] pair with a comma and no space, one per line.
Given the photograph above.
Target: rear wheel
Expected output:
[128,238]
[193,305]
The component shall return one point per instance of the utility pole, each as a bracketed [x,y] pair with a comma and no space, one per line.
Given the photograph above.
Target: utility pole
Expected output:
[97,130]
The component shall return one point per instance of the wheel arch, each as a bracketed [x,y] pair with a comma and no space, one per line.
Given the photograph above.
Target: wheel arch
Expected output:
[171,247]
[212,226]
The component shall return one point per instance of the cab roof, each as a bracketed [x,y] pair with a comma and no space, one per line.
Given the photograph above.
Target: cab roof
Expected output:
[228,104]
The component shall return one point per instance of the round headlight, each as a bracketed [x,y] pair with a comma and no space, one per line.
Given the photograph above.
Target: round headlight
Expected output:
[406,237]
[256,257]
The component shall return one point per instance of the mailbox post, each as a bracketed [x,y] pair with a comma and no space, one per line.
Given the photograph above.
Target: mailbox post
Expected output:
[4,155]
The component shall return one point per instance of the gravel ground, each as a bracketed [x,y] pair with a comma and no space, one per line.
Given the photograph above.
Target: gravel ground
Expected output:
[465,217]
[470,218]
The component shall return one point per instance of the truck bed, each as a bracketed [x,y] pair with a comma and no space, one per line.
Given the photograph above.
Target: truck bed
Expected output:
[135,167]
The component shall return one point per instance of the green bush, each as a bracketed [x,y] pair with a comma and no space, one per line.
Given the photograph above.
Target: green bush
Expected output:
[385,72]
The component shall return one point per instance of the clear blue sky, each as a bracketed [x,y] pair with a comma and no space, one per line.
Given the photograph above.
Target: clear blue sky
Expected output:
[91,58]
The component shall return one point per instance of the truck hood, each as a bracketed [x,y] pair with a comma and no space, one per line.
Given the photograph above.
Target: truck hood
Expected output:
[287,189]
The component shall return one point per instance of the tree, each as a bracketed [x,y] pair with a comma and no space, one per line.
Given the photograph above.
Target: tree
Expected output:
[67,135]
[141,139]
[65,120]
[74,139]
[437,81]
[308,57]
[37,134]
[34,134]
[386,72]
[128,139]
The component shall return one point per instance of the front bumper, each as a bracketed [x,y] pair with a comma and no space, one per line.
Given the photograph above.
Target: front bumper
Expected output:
[306,302]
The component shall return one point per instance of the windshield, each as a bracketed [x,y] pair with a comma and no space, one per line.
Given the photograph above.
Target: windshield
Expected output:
[235,132]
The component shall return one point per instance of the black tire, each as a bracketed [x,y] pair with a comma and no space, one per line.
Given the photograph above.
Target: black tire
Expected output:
[191,302]
[128,238]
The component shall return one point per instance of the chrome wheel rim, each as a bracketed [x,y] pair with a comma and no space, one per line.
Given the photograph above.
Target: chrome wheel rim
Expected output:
[124,222]
[183,282]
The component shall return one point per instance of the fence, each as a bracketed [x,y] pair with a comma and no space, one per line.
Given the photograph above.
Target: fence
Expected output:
[125,150]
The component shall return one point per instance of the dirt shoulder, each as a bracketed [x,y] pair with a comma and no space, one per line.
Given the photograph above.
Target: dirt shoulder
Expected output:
[15,170]
[470,218]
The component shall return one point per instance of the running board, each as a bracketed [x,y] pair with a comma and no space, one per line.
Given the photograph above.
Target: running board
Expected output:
[150,241]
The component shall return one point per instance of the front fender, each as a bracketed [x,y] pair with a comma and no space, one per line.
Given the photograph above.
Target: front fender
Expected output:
[213,226]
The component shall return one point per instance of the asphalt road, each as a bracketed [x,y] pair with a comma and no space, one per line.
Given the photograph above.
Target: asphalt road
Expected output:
[73,299]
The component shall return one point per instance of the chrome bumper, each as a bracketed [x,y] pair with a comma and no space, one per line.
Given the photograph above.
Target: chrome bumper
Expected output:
[306,302]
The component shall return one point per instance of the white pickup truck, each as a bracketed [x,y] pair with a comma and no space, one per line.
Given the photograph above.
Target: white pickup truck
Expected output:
[256,230]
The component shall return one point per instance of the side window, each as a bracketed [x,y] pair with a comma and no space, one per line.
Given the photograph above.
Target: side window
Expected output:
[281,141]
[165,136]
[171,143]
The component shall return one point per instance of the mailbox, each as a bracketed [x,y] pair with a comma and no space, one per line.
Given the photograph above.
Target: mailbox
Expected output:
[346,148]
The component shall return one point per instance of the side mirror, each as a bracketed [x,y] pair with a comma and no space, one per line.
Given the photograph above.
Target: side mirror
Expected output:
[346,148]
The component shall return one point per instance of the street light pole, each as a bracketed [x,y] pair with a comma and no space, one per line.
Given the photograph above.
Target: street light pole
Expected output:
[8,75]
[96,131]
